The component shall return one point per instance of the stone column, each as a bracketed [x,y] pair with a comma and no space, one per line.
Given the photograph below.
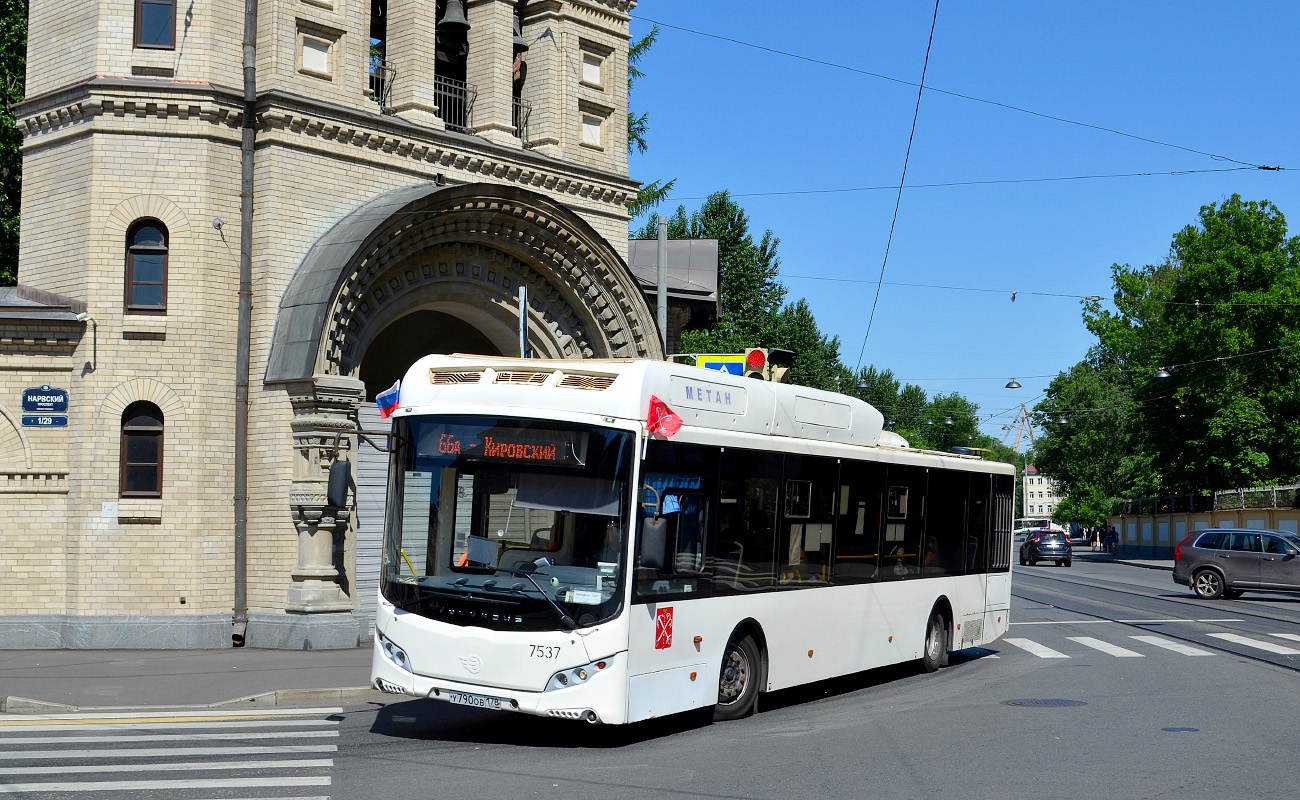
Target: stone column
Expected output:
[323,410]
[409,49]
[490,68]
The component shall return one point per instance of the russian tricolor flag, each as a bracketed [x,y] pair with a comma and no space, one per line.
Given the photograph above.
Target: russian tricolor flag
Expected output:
[387,400]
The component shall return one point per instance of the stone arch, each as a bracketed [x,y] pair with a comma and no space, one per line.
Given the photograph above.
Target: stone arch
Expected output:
[11,436]
[480,241]
[148,389]
[146,205]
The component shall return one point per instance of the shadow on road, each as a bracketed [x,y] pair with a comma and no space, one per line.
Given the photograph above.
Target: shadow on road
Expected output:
[435,720]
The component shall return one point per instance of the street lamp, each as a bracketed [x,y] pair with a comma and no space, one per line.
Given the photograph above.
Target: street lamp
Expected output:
[1162,373]
[1013,384]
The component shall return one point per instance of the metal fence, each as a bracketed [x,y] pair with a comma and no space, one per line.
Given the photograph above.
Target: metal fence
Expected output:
[1229,500]
[455,102]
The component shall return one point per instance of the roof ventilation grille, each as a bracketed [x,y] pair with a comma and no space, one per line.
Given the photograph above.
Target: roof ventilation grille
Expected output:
[593,382]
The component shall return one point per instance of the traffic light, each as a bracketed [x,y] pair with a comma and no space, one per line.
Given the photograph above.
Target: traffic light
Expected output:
[768,363]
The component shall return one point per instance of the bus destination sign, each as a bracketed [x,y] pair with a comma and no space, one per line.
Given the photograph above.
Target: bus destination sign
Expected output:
[45,400]
[538,447]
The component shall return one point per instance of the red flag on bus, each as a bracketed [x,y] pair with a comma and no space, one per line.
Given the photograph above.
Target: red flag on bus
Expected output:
[660,418]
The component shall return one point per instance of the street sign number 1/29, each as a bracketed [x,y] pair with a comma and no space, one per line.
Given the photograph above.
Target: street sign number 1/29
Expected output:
[45,421]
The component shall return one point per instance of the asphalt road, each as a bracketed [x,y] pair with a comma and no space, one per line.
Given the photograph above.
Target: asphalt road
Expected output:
[897,734]
[1113,682]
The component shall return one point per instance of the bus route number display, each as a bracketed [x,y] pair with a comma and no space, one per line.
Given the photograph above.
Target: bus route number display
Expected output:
[536,447]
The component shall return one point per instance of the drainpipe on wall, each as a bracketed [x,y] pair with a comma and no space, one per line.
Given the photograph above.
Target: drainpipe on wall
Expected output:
[243,347]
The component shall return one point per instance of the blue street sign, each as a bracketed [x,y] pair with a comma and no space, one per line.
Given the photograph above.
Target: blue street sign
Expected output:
[44,421]
[733,363]
[44,400]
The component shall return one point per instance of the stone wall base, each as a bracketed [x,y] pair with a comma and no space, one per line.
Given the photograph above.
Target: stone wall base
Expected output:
[303,631]
[115,632]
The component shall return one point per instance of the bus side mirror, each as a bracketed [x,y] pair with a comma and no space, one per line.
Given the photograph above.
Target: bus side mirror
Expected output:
[654,541]
[336,496]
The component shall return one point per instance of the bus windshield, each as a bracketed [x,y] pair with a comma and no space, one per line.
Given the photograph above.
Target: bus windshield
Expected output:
[508,524]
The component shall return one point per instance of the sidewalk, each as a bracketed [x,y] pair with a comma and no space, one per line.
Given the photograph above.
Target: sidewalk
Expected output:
[83,679]
[1085,553]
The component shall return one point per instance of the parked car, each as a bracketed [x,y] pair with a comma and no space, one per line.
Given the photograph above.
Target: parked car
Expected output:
[1046,545]
[1224,562]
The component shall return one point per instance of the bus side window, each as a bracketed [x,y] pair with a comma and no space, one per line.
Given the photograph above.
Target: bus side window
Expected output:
[808,520]
[745,547]
[858,523]
[684,480]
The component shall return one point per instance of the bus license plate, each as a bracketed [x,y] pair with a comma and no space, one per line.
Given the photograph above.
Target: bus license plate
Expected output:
[481,701]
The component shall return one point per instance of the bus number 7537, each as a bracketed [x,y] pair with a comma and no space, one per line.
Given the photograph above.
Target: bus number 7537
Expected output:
[543,651]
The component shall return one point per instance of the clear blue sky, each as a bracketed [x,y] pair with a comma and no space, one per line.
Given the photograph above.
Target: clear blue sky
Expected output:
[1208,76]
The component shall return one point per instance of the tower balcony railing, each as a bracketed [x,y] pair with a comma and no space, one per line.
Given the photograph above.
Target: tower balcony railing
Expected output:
[521,110]
[381,81]
[455,102]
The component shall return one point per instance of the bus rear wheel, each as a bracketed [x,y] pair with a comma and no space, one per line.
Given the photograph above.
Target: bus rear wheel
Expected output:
[936,644]
[738,680]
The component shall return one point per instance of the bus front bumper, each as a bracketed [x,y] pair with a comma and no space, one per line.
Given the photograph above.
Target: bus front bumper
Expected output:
[601,698]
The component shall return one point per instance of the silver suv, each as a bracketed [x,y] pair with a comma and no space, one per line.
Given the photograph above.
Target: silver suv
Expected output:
[1224,562]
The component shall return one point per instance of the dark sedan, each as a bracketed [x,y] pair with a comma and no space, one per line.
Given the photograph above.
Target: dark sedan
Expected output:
[1224,562]
[1046,545]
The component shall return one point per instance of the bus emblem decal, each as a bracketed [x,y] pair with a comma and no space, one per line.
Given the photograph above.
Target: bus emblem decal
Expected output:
[472,664]
[664,628]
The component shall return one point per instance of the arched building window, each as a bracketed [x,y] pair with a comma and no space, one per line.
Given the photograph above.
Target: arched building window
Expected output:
[146,267]
[155,24]
[142,451]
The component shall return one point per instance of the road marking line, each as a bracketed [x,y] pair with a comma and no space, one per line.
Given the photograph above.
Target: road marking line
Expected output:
[169,726]
[1256,643]
[1065,622]
[15,755]
[174,767]
[1035,648]
[162,716]
[1295,637]
[122,786]
[1182,649]
[1105,647]
[1155,621]
[169,737]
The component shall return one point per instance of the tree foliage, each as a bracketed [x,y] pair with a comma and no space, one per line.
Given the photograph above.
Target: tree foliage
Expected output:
[13,75]
[650,195]
[1221,315]
[754,313]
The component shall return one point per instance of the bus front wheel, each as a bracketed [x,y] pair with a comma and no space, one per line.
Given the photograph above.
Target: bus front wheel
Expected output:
[738,680]
[936,644]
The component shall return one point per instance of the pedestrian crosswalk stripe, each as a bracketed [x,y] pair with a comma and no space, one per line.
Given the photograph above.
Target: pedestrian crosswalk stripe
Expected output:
[122,786]
[15,755]
[1176,647]
[171,725]
[1105,647]
[1037,649]
[189,766]
[170,737]
[1256,643]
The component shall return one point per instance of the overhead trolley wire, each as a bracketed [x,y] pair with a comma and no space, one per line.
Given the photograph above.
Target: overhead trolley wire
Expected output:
[990,182]
[916,112]
[972,98]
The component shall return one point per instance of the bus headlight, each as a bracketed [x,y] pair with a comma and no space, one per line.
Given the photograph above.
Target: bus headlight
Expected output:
[577,675]
[395,654]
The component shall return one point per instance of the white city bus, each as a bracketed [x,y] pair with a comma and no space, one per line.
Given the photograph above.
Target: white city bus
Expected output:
[547,551]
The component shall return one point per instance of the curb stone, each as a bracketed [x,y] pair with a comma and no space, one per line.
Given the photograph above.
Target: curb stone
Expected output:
[284,697]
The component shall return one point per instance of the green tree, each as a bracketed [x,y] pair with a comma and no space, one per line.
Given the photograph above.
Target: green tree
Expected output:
[751,295]
[13,73]
[651,194]
[1221,315]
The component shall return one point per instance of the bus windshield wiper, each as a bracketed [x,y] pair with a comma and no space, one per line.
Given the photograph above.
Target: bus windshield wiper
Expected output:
[564,618]
[423,593]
